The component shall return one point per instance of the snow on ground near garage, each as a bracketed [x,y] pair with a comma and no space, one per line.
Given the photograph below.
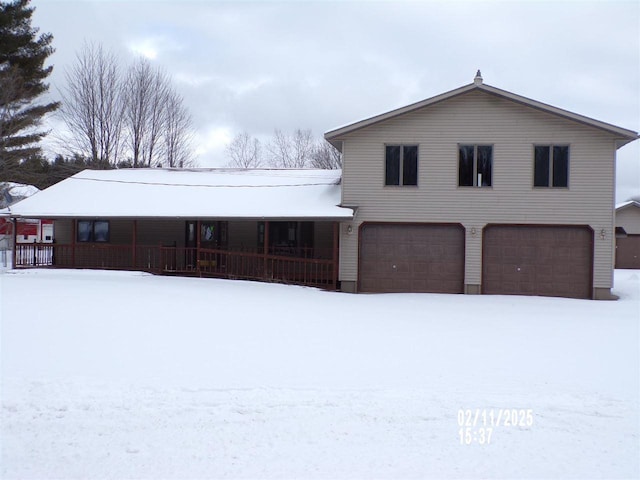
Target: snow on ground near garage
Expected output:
[128,375]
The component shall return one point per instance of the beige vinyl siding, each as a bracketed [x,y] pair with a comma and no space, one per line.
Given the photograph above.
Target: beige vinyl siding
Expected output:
[348,255]
[513,130]
[629,219]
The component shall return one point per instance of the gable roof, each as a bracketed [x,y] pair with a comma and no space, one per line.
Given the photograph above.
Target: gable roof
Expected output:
[625,136]
[627,204]
[190,193]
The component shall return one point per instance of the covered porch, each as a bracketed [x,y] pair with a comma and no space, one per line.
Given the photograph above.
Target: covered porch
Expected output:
[268,225]
[300,252]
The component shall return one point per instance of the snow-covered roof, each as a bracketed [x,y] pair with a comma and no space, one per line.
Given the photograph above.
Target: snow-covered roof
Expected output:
[11,192]
[626,204]
[191,193]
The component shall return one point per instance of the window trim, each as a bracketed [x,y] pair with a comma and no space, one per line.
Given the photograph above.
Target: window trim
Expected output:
[475,163]
[550,146]
[401,167]
[92,231]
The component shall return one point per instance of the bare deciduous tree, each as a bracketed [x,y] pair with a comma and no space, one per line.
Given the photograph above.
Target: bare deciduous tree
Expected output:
[326,156]
[137,120]
[291,151]
[92,105]
[244,151]
[177,134]
[145,95]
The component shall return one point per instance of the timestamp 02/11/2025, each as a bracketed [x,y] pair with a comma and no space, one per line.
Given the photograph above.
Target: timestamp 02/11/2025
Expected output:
[477,425]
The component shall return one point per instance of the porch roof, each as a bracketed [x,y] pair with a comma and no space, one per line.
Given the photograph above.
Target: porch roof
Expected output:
[191,193]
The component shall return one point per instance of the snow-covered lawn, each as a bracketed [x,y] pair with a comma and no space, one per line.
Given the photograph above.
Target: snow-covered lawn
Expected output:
[127,375]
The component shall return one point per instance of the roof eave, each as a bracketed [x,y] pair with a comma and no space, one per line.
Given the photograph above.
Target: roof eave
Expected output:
[624,135]
[627,204]
[317,218]
[336,133]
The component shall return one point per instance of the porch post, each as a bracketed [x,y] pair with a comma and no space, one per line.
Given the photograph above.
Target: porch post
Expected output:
[198,246]
[266,248]
[14,235]
[336,241]
[73,241]
[134,241]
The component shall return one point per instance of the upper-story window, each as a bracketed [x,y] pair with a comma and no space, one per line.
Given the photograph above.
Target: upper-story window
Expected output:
[401,165]
[551,166]
[475,165]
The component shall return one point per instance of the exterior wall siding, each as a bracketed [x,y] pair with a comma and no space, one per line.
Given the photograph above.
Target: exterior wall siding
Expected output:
[157,232]
[629,219]
[243,235]
[513,130]
[62,231]
[149,232]
[121,232]
[323,239]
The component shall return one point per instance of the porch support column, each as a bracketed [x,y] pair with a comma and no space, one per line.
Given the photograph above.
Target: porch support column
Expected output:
[266,248]
[14,235]
[198,246]
[134,243]
[336,241]
[74,223]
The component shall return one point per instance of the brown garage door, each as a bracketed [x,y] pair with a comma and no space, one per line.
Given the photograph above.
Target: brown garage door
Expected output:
[537,260]
[628,251]
[411,258]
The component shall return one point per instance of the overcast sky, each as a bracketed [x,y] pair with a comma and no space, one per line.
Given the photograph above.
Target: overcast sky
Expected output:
[256,66]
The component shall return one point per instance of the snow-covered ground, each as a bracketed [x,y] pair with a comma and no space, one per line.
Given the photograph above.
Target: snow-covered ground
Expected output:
[127,375]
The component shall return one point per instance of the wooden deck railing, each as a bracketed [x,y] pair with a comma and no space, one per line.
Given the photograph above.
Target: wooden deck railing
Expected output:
[242,265]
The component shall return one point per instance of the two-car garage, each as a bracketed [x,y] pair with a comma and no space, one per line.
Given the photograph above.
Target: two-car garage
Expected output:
[516,259]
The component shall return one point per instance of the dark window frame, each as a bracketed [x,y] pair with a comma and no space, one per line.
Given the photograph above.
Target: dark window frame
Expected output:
[463,177]
[401,178]
[93,235]
[556,177]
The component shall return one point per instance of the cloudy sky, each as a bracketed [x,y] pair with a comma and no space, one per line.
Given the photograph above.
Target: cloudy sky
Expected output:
[256,66]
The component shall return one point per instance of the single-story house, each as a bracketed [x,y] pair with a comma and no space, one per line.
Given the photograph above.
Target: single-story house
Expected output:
[276,225]
[628,235]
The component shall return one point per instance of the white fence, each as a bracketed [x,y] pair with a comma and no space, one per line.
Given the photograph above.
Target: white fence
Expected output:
[5,259]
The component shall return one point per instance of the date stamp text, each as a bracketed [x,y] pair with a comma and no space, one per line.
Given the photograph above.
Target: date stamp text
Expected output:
[476,426]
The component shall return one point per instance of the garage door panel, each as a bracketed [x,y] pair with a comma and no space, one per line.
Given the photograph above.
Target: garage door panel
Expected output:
[538,260]
[412,258]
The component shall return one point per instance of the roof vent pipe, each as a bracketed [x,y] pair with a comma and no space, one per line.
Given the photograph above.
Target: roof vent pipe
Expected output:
[478,79]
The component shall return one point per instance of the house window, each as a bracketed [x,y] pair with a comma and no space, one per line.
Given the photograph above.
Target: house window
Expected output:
[551,166]
[401,165]
[213,234]
[475,165]
[288,238]
[93,231]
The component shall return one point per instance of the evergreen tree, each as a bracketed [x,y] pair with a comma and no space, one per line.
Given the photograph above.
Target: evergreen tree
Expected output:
[22,74]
